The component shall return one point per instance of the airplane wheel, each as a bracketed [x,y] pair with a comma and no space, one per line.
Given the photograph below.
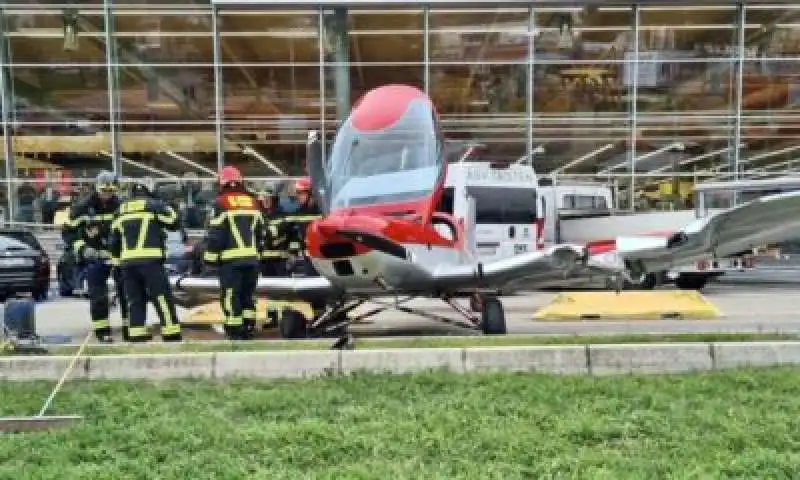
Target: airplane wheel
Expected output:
[690,283]
[293,324]
[493,318]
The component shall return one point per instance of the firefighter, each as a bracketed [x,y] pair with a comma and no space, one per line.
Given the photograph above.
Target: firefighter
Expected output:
[86,234]
[273,258]
[295,225]
[138,246]
[235,240]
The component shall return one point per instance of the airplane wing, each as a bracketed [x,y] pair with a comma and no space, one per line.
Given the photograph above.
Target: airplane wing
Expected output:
[278,288]
[769,219]
[556,262]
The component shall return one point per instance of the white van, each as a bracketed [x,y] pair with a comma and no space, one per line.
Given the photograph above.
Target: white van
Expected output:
[505,203]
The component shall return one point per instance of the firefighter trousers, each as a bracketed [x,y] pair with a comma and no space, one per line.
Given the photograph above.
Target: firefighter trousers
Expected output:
[148,280]
[97,274]
[238,297]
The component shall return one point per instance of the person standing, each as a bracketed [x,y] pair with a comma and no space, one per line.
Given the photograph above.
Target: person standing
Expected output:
[86,234]
[295,225]
[235,240]
[138,247]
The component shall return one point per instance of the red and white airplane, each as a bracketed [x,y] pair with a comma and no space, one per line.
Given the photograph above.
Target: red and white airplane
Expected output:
[382,236]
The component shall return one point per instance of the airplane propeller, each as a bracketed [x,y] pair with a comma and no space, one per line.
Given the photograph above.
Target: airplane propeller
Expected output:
[376,242]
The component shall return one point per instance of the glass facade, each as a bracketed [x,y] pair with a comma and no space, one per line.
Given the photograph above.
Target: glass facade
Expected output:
[648,97]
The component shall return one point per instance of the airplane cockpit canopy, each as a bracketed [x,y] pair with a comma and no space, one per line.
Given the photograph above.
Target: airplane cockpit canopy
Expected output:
[397,164]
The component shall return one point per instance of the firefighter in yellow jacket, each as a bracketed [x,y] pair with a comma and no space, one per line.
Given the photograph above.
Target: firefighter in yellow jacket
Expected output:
[138,247]
[235,242]
[86,233]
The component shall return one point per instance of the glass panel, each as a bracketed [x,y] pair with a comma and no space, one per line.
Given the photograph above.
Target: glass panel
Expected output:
[59,94]
[52,159]
[580,144]
[162,150]
[580,115]
[578,88]
[68,36]
[588,33]
[482,106]
[665,193]
[498,34]
[687,118]
[363,78]
[375,35]
[163,36]
[269,149]
[769,116]
[677,32]
[252,36]
[262,93]
[169,93]
[772,31]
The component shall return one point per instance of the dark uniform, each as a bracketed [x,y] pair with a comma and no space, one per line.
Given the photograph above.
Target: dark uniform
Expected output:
[138,246]
[293,227]
[273,258]
[86,234]
[235,240]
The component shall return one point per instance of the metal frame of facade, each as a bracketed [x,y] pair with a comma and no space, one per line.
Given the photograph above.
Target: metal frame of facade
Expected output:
[320,5]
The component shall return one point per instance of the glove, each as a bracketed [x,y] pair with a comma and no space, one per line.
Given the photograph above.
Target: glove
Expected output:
[91,253]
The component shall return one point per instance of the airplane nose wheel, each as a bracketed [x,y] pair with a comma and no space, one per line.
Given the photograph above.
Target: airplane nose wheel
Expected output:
[493,317]
[293,324]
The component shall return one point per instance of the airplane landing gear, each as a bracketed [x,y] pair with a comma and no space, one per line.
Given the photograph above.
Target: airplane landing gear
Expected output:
[493,317]
[334,319]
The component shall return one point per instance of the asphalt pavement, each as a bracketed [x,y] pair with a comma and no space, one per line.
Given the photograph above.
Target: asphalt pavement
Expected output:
[745,309]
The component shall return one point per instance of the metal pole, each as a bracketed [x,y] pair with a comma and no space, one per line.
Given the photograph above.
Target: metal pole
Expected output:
[113,117]
[218,108]
[737,134]
[8,146]
[634,107]
[342,69]
[322,101]
[529,83]
[426,46]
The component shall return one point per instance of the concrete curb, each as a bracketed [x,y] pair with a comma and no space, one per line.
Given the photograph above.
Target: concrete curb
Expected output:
[562,359]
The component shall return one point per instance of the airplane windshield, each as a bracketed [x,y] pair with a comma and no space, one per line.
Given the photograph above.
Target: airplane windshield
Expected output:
[400,163]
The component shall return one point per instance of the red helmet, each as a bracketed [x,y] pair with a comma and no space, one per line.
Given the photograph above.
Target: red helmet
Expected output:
[230,174]
[302,184]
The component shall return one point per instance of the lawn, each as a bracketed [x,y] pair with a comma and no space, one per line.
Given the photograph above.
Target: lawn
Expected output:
[730,424]
[419,342]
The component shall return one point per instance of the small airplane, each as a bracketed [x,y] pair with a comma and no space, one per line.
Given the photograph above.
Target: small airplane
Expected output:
[381,234]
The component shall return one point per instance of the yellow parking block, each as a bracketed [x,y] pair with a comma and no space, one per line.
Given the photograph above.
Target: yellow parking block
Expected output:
[637,305]
[211,313]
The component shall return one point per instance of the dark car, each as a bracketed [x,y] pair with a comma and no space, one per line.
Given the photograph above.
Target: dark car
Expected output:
[24,265]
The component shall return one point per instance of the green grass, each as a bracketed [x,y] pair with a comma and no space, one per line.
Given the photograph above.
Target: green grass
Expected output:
[422,342]
[743,424]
